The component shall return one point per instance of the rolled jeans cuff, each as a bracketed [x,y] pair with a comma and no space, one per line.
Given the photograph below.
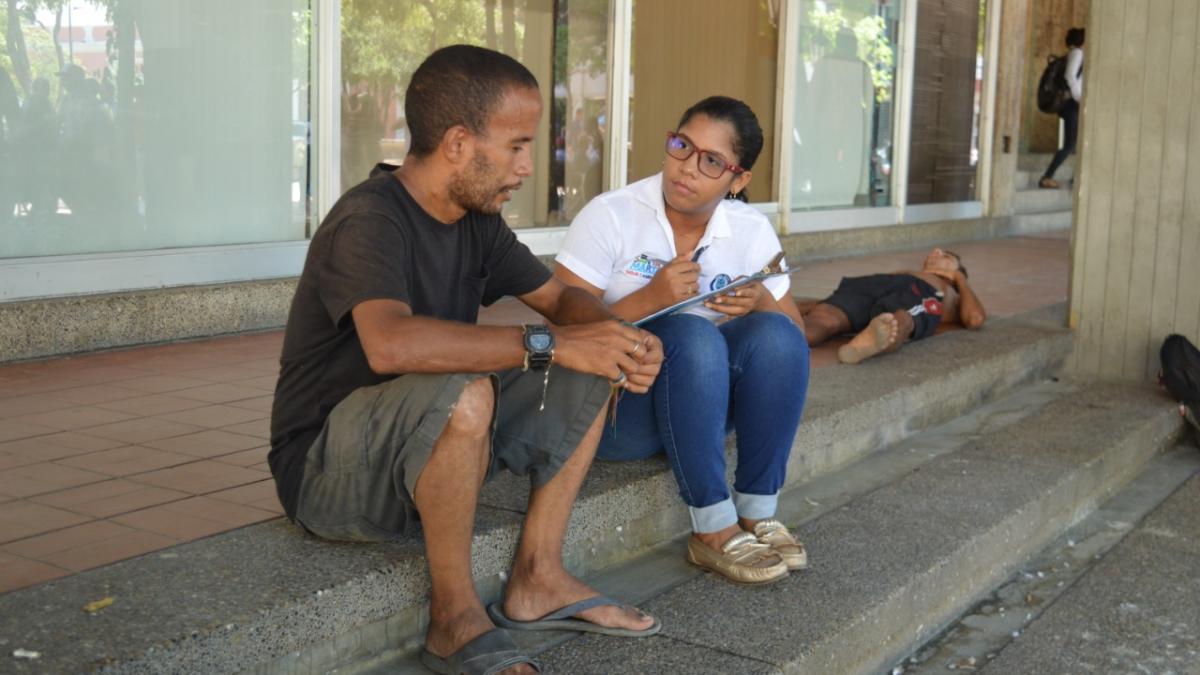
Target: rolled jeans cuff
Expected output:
[756,507]
[713,518]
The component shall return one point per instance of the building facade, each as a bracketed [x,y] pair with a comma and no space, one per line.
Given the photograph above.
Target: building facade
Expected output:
[167,161]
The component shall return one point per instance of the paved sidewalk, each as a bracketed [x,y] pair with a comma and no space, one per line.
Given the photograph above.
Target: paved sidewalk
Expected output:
[111,455]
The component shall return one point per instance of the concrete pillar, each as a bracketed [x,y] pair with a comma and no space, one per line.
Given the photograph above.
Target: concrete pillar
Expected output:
[1136,246]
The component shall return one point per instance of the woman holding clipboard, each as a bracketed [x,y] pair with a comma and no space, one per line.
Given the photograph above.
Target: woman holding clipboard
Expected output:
[736,362]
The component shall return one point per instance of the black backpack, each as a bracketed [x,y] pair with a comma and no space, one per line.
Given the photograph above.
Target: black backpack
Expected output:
[1180,375]
[1052,89]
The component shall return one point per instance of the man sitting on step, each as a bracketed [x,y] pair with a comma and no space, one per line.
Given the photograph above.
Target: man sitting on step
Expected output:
[393,405]
[887,310]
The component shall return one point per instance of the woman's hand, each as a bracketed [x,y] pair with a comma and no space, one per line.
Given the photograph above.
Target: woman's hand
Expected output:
[675,281]
[740,301]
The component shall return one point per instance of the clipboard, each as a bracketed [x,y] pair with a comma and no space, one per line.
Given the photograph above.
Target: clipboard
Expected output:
[693,301]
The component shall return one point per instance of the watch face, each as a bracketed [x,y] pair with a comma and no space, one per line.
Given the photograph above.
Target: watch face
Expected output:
[539,342]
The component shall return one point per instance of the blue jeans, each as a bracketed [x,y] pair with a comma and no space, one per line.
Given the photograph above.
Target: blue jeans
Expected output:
[748,375]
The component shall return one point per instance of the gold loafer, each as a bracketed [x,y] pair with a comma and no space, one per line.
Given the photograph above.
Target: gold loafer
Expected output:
[742,559]
[774,534]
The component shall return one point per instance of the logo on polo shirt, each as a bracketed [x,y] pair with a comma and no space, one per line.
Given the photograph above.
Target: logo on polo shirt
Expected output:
[643,267]
[720,281]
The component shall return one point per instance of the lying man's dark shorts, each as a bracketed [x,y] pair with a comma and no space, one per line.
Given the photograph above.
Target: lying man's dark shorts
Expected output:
[864,298]
[362,470]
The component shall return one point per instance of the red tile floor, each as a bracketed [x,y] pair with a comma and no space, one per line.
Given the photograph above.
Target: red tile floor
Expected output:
[110,455]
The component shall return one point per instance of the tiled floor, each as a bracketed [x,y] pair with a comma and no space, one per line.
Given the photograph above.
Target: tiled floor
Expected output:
[111,455]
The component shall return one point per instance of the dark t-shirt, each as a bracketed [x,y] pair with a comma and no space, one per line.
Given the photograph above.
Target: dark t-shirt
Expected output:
[377,242]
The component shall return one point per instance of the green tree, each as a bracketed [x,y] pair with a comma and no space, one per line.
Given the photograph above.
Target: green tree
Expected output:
[822,27]
[31,49]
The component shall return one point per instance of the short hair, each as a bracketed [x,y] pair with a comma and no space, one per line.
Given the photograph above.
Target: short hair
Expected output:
[747,134]
[961,267]
[1075,37]
[458,85]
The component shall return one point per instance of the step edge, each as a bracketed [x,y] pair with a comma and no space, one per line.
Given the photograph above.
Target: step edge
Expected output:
[131,664]
[1164,430]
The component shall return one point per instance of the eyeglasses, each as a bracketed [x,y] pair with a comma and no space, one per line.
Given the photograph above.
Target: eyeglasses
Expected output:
[709,163]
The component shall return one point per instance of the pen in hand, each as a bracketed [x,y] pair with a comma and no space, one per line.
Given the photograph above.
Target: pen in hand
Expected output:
[696,255]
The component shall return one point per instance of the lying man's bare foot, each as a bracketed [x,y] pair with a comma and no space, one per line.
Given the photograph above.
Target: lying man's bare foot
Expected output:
[879,335]
[447,635]
[531,596]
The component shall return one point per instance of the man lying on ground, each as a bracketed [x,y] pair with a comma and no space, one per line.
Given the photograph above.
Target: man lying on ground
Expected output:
[887,310]
[392,404]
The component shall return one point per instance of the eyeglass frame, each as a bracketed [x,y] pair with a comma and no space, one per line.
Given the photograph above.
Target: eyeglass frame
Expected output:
[698,151]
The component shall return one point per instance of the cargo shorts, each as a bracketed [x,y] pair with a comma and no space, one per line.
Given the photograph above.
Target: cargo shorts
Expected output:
[361,471]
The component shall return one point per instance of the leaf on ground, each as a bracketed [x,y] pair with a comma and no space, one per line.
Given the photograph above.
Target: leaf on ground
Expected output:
[93,607]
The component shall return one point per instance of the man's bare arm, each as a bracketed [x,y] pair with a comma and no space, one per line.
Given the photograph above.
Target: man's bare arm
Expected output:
[566,304]
[970,311]
[396,342]
[581,308]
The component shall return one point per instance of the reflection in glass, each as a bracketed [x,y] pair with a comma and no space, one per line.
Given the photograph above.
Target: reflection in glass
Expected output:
[131,125]
[563,43]
[947,79]
[844,98]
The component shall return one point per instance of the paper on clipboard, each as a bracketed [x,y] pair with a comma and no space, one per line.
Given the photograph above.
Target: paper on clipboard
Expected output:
[693,301]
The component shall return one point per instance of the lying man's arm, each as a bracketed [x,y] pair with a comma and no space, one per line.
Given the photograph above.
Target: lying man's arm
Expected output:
[970,311]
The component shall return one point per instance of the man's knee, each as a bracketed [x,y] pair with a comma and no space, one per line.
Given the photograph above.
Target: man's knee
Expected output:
[473,412]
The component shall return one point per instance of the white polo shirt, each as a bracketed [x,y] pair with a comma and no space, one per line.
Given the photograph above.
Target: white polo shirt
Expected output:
[621,238]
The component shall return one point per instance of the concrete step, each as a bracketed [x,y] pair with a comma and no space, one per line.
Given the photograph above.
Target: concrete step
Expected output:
[1037,223]
[1041,200]
[652,574]
[893,566]
[1036,163]
[1025,180]
[1039,616]
[270,599]
[1134,611]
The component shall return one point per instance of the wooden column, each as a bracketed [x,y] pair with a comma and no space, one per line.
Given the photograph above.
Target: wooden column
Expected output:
[1010,99]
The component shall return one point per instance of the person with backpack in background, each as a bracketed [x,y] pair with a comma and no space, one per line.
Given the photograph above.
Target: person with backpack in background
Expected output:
[1066,78]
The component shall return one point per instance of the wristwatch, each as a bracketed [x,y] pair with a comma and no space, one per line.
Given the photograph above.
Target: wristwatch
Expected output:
[539,346]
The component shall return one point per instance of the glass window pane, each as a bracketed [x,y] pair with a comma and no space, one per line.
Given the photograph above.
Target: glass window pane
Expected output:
[563,43]
[687,50]
[844,101]
[144,125]
[947,82]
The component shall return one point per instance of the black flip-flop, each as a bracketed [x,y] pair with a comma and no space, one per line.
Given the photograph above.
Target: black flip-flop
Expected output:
[562,619]
[490,653]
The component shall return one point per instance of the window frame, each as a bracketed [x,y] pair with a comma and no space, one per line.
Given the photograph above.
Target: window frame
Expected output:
[798,221]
